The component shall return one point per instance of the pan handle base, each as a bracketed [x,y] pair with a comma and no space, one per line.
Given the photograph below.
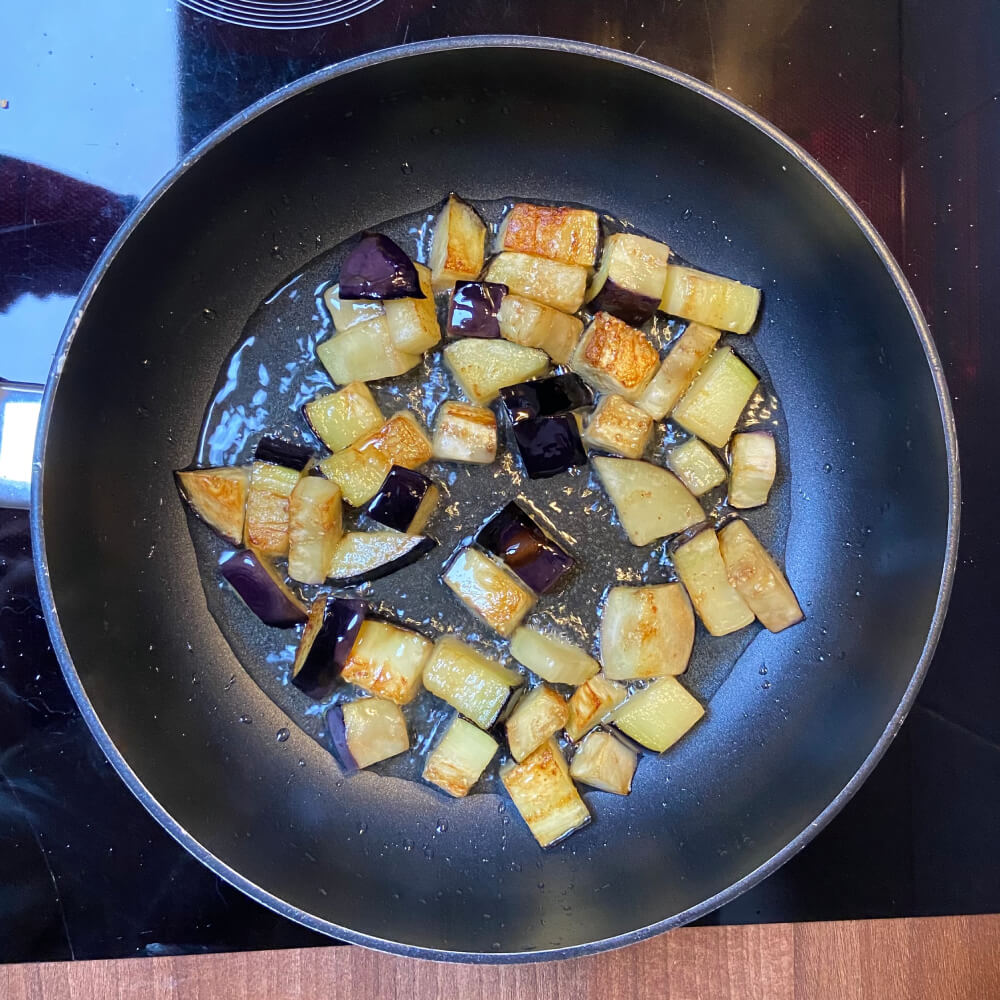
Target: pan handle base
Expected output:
[20,405]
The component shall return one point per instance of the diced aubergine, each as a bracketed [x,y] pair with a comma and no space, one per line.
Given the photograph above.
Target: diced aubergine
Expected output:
[346,313]
[568,235]
[361,469]
[364,353]
[471,683]
[696,466]
[531,324]
[358,474]
[719,605]
[710,299]
[659,715]
[365,731]
[683,361]
[712,405]
[544,794]
[405,501]
[219,497]
[514,537]
[266,525]
[618,427]
[629,282]
[615,357]
[464,433]
[262,590]
[278,451]
[546,397]
[315,525]
[549,446]
[361,556]
[483,367]
[553,659]
[378,268]
[387,661]
[413,322]
[340,418]
[651,502]
[460,758]
[458,246]
[474,308]
[591,703]
[561,286]
[753,464]
[541,713]
[604,762]
[375,730]
[646,632]
[326,643]
[488,591]
[756,576]
[401,440]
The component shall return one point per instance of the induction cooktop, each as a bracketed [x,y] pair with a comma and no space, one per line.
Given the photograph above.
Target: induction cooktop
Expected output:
[98,100]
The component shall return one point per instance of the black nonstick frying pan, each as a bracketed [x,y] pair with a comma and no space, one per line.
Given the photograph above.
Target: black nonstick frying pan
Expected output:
[871,540]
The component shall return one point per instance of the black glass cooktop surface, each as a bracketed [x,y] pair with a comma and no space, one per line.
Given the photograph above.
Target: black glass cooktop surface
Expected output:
[899,101]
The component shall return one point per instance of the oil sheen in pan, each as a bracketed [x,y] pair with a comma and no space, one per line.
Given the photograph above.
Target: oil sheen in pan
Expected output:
[273,371]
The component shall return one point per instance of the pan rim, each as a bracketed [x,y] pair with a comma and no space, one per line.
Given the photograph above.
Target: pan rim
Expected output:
[304,84]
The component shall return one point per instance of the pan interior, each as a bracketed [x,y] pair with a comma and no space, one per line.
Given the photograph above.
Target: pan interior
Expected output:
[386,860]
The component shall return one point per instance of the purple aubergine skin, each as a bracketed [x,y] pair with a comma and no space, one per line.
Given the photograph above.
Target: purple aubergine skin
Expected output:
[399,498]
[338,740]
[473,309]
[330,647]
[549,445]
[546,397]
[630,307]
[260,591]
[377,268]
[422,544]
[512,535]
[280,452]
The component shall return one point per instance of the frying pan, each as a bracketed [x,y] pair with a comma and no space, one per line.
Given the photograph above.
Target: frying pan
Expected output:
[871,540]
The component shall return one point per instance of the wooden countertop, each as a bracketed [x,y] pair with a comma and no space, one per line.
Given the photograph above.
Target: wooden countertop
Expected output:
[911,959]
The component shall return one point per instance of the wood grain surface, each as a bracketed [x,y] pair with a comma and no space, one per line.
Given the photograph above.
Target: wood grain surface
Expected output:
[920,959]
